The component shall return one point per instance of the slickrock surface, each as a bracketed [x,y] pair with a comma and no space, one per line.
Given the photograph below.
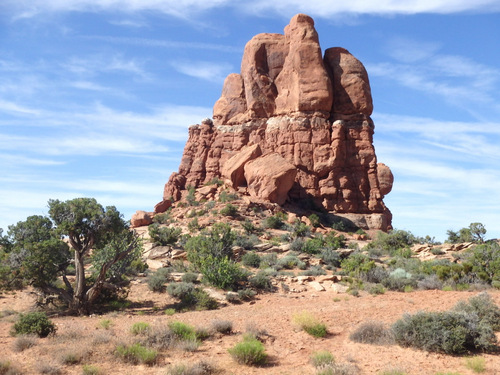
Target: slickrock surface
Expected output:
[313,111]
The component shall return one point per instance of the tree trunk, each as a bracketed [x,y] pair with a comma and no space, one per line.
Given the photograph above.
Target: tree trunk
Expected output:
[79,304]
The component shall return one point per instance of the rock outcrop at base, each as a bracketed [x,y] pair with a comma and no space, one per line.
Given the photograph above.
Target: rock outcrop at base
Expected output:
[312,112]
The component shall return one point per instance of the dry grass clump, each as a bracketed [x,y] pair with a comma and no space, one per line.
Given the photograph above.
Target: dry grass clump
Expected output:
[372,333]
[308,323]
[222,326]
[24,342]
[476,364]
[6,368]
[200,368]
[47,368]
[72,356]
[136,354]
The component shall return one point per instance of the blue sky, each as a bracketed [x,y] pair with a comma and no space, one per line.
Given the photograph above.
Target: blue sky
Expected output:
[96,97]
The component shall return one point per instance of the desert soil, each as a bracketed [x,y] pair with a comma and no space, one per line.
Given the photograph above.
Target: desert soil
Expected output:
[289,348]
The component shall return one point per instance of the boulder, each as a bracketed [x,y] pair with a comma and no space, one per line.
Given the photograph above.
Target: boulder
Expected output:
[163,206]
[141,218]
[270,177]
[233,169]
[385,178]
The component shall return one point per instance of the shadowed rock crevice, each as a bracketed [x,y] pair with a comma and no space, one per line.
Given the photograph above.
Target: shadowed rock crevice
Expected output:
[293,125]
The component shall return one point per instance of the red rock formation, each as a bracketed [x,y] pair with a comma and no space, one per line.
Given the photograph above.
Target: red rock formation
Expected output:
[313,112]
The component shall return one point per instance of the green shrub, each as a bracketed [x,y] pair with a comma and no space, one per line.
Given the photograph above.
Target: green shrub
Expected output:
[357,263]
[330,257]
[313,271]
[250,352]
[156,281]
[484,261]
[315,220]
[447,332]
[225,197]
[322,358]
[34,323]
[251,259]
[190,296]
[136,353]
[372,333]
[163,236]
[288,262]
[229,210]
[261,281]
[246,294]
[268,260]
[483,306]
[140,328]
[392,241]
[189,277]
[274,222]
[222,272]
[300,229]
[182,331]
[249,227]
[308,323]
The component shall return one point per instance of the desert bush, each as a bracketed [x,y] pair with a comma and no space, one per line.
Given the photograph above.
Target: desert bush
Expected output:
[357,264]
[7,368]
[315,220]
[476,364]
[229,210]
[330,257]
[157,280]
[247,242]
[297,245]
[190,296]
[222,326]
[189,277]
[249,227]
[372,333]
[200,368]
[374,289]
[275,221]
[300,229]
[313,271]
[431,282]
[250,352]
[222,272]
[34,323]
[47,368]
[448,332]
[225,197]
[23,342]
[140,328]
[483,306]
[251,259]
[90,370]
[71,357]
[246,294]
[322,358]
[268,260]
[308,323]
[484,261]
[136,353]
[182,331]
[393,241]
[163,236]
[158,337]
[288,262]
[337,369]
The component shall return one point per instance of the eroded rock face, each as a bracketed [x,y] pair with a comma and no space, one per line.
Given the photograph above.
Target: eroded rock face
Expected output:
[312,112]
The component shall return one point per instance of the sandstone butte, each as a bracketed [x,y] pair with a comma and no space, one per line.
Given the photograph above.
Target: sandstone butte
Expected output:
[293,126]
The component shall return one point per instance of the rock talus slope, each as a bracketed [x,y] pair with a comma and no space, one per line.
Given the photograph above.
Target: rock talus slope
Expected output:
[311,112]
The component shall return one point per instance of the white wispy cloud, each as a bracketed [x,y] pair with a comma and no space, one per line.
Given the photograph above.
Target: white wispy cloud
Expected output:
[458,80]
[92,65]
[209,71]
[187,8]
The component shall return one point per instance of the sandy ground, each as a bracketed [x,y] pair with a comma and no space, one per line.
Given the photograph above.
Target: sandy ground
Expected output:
[289,348]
